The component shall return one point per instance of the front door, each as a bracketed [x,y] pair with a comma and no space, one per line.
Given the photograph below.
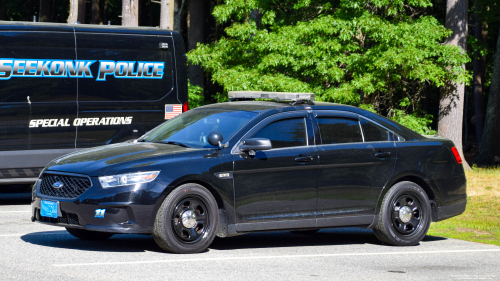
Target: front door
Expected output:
[276,188]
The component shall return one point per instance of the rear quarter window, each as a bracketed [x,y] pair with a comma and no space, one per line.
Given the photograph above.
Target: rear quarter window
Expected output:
[373,132]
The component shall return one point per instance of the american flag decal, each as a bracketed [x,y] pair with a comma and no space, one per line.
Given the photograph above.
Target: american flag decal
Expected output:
[172,110]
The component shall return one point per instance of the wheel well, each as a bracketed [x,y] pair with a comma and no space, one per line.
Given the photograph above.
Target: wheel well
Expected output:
[218,198]
[421,182]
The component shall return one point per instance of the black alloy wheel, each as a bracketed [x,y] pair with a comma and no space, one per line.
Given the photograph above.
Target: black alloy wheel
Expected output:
[405,215]
[190,219]
[187,219]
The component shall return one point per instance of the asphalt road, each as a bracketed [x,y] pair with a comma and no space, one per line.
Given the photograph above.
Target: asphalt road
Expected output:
[32,251]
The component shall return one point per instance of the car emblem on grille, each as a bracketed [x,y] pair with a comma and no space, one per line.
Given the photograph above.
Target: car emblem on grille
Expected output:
[58,184]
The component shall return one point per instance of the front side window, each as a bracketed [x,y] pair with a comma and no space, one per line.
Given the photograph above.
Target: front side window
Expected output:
[285,133]
[191,128]
[339,130]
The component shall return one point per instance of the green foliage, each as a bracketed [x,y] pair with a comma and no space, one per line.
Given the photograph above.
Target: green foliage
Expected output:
[416,121]
[195,96]
[335,49]
[368,107]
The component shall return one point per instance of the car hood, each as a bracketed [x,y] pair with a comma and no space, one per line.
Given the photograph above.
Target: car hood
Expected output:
[119,158]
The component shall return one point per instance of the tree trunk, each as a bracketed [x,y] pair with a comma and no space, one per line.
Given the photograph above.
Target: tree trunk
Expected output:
[45,10]
[73,11]
[130,13]
[167,14]
[105,12]
[178,6]
[3,10]
[96,17]
[81,11]
[196,35]
[489,153]
[451,105]
[478,79]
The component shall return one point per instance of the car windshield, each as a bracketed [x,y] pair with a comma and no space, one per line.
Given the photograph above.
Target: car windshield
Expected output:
[191,128]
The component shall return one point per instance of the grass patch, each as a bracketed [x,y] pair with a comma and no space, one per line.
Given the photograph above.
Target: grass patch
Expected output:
[481,220]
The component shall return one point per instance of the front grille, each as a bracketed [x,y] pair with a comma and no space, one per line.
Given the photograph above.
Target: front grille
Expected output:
[73,219]
[72,186]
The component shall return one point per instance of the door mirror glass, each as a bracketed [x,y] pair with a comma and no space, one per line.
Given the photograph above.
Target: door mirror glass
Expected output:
[255,144]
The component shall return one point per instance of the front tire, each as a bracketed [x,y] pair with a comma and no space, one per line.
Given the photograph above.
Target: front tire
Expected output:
[187,219]
[405,215]
[88,235]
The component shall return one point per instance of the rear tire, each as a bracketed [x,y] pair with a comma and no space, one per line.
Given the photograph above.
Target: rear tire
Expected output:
[88,235]
[405,215]
[187,220]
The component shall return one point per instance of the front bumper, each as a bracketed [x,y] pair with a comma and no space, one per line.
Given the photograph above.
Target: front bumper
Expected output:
[128,209]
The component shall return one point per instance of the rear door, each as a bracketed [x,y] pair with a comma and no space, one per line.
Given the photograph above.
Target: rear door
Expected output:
[353,168]
[132,89]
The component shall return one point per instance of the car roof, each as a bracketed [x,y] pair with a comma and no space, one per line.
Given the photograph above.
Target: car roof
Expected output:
[271,107]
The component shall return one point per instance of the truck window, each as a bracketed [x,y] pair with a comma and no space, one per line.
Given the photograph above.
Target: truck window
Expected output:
[24,54]
[133,69]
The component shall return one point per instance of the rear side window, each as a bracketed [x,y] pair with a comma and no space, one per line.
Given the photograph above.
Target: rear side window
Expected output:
[339,130]
[373,132]
[285,133]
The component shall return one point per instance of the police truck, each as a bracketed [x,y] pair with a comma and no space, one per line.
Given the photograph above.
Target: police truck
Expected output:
[66,87]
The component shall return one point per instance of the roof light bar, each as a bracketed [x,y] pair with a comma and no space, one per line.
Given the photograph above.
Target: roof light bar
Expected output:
[284,96]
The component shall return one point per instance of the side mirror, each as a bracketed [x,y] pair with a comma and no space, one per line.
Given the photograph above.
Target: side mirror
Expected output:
[215,138]
[252,145]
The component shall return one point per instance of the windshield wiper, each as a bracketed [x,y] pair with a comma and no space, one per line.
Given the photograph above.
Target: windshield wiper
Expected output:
[174,143]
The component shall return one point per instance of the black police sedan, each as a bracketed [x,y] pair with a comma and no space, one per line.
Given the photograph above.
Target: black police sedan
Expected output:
[247,166]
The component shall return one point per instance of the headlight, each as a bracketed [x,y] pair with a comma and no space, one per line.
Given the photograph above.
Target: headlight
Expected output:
[127,179]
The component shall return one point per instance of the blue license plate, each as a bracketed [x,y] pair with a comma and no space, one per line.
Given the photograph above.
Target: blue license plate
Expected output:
[49,209]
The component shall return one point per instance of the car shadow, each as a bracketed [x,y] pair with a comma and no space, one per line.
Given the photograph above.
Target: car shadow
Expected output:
[141,243]
[117,243]
[326,237]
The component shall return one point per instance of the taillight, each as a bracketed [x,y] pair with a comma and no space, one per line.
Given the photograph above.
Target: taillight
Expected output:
[185,107]
[457,155]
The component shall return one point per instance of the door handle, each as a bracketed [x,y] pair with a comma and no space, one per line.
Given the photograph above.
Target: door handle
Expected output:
[304,159]
[383,154]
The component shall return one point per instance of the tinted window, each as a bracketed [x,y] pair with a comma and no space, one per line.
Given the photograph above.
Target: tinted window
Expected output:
[192,128]
[373,132]
[339,130]
[285,133]
[33,48]
[125,48]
